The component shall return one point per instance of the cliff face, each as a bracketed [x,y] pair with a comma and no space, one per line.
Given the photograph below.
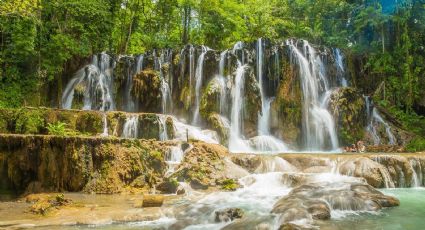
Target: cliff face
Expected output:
[90,164]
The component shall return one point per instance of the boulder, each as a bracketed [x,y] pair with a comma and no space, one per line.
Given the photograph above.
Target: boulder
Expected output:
[228,214]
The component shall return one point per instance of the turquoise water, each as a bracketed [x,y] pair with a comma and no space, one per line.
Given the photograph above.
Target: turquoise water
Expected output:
[410,215]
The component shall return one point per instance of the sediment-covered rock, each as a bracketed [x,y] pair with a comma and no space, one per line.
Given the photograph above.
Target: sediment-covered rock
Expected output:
[315,201]
[101,165]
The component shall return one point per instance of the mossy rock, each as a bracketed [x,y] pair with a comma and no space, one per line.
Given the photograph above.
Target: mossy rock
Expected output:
[147,90]
[348,108]
[210,100]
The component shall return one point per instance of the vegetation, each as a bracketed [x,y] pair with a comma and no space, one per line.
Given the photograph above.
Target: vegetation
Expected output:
[42,41]
[57,129]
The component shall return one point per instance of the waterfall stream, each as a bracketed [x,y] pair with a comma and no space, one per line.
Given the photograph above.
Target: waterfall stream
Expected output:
[318,123]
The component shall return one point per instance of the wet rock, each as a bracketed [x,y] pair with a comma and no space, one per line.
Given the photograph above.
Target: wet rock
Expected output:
[374,173]
[203,165]
[221,126]
[146,89]
[314,201]
[149,201]
[348,107]
[43,203]
[228,214]
[399,168]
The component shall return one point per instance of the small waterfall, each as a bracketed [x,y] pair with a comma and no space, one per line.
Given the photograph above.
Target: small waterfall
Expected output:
[166,102]
[264,116]
[131,126]
[238,47]
[95,80]
[183,131]
[163,135]
[318,123]
[173,157]
[375,120]
[198,83]
[339,61]
[191,69]
[236,143]
[130,105]
[105,125]
[222,63]
[417,177]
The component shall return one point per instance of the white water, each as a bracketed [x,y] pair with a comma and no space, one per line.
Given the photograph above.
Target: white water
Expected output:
[264,115]
[131,126]
[198,84]
[165,87]
[191,69]
[374,121]
[318,123]
[236,142]
[95,80]
[339,60]
[163,134]
[105,125]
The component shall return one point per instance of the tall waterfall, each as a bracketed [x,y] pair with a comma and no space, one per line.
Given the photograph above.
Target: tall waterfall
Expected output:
[318,123]
[198,84]
[264,116]
[95,81]
[236,143]
[165,87]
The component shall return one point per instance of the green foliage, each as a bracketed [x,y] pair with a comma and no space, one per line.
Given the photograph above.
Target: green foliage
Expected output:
[58,129]
[416,145]
[229,185]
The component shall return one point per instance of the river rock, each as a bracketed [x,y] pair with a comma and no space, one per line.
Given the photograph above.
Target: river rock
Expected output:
[149,201]
[228,214]
[315,201]
[374,173]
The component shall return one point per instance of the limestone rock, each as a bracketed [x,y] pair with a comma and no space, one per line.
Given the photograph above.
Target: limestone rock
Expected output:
[229,214]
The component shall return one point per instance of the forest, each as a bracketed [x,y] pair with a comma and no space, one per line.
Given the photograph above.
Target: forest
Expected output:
[41,40]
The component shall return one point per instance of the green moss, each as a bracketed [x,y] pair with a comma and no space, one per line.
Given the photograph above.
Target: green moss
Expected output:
[416,145]
[229,185]
[30,121]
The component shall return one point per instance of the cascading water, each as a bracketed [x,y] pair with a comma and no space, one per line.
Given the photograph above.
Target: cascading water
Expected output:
[166,102]
[264,116]
[236,143]
[318,123]
[374,120]
[198,84]
[339,61]
[131,126]
[163,134]
[95,81]
[130,105]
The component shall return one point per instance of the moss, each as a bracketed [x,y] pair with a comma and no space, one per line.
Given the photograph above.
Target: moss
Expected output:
[146,89]
[30,121]
[90,122]
[170,128]
[416,145]
[229,185]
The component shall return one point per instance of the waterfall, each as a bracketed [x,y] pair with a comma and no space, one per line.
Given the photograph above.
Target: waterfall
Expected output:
[128,98]
[236,143]
[96,80]
[318,123]
[165,87]
[131,126]
[222,82]
[105,125]
[191,69]
[264,116]
[339,61]
[163,135]
[417,177]
[198,84]
[173,158]
[374,120]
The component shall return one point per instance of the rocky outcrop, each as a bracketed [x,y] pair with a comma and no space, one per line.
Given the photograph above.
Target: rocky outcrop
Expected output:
[76,122]
[54,163]
[348,109]
[314,201]
[147,90]
[379,171]
[204,166]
